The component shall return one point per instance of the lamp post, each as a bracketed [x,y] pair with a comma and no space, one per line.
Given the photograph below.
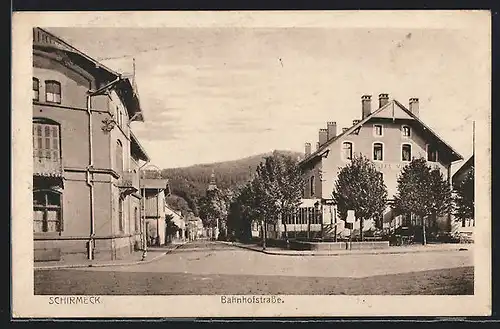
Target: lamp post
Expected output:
[317,208]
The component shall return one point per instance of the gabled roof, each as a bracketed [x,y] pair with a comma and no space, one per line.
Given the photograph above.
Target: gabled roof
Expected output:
[43,39]
[323,148]
[466,166]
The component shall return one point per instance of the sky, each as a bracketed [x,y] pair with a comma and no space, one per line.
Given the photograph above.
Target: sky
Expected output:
[213,94]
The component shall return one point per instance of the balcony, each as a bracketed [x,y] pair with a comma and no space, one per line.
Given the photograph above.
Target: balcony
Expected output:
[47,167]
[129,181]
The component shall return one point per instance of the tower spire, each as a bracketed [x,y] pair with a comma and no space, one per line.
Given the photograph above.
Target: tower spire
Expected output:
[212,185]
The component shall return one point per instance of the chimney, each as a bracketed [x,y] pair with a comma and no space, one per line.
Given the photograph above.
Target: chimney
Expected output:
[331,126]
[355,122]
[345,129]
[414,106]
[308,149]
[323,136]
[383,99]
[366,105]
[317,145]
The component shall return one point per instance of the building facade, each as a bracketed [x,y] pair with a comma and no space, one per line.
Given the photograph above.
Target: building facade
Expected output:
[154,193]
[86,200]
[466,225]
[391,135]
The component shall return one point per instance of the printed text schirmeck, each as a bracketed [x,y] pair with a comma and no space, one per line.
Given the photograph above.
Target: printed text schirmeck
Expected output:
[65,300]
[251,300]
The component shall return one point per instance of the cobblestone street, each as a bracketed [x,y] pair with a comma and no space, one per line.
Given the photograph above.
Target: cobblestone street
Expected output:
[205,268]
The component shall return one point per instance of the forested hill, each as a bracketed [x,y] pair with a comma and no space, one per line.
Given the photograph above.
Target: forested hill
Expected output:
[190,183]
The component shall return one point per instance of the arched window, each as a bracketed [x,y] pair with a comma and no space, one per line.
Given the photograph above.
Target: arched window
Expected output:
[121,222]
[36,89]
[347,150]
[378,152]
[47,216]
[311,186]
[52,91]
[406,131]
[119,157]
[406,152]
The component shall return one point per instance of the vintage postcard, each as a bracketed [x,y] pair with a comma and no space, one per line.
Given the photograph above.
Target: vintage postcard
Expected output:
[251,164]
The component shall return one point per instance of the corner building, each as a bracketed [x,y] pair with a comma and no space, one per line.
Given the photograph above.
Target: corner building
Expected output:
[86,159]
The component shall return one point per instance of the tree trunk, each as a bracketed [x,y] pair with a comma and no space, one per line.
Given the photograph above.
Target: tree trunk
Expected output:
[283,220]
[264,236]
[361,226]
[424,238]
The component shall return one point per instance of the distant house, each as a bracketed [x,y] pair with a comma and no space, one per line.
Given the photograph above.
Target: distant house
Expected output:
[391,136]
[467,225]
[179,221]
[154,192]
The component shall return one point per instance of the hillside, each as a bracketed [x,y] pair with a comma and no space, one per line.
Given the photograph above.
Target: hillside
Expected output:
[190,183]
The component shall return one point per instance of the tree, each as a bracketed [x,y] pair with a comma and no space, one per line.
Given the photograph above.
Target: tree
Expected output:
[214,209]
[360,187]
[170,227]
[464,198]
[281,185]
[422,191]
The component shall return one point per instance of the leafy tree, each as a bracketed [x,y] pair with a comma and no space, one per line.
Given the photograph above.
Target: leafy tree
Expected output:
[281,186]
[422,191]
[170,227]
[464,198]
[360,187]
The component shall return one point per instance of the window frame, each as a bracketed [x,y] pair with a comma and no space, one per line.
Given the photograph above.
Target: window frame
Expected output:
[342,155]
[427,153]
[46,208]
[403,131]
[312,185]
[37,89]
[119,145]
[375,126]
[411,151]
[56,83]
[121,219]
[43,123]
[373,151]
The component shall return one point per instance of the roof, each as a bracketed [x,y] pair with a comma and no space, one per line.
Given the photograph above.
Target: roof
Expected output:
[44,39]
[466,166]
[137,149]
[323,148]
[154,184]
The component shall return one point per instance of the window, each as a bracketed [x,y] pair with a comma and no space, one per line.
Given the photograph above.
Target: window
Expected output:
[406,131]
[347,150]
[311,186]
[120,215]
[119,157]
[36,89]
[46,140]
[432,153]
[46,211]
[377,130]
[378,151]
[53,92]
[406,152]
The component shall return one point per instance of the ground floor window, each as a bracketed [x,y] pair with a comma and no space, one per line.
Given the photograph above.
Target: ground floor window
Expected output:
[47,216]
[120,215]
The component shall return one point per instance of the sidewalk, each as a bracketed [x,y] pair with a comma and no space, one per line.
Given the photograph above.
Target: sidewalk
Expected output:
[390,250]
[153,253]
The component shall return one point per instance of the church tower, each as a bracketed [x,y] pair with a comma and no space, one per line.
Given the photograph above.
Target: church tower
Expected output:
[212,186]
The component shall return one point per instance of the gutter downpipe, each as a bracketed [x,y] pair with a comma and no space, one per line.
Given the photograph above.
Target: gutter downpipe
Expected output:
[89,174]
[143,213]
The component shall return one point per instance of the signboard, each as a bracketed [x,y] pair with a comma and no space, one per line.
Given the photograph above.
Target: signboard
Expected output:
[350,216]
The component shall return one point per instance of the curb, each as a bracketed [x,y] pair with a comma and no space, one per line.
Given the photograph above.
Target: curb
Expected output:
[52,267]
[278,253]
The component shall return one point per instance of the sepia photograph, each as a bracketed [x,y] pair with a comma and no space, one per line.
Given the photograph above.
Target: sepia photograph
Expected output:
[257,164]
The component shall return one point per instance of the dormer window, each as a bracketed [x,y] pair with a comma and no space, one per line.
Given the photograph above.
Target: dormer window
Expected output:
[52,92]
[377,130]
[406,131]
